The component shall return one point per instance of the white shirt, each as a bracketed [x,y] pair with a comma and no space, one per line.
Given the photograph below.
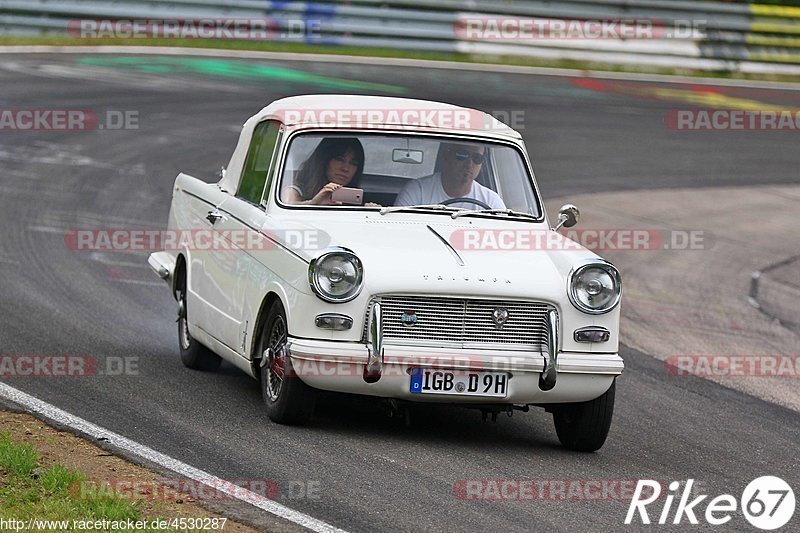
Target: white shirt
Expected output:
[429,190]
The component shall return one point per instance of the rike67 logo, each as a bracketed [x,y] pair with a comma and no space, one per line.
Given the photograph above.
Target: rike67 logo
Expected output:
[767,502]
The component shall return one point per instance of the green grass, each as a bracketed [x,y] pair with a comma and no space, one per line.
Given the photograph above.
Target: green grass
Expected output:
[16,459]
[272,46]
[28,491]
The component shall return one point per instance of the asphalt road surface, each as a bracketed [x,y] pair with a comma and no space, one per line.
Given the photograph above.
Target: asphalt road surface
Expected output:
[368,472]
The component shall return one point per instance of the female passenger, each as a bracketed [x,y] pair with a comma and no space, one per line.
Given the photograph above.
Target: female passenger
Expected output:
[336,162]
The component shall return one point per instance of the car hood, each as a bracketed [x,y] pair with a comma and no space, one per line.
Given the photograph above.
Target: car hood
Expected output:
[467,256]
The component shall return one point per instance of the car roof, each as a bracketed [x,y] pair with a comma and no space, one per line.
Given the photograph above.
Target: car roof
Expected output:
[348,111]
[367,112]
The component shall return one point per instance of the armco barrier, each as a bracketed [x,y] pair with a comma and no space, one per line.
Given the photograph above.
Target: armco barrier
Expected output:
[722,36]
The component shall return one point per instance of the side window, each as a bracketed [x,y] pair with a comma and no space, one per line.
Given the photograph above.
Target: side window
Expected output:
[259,159]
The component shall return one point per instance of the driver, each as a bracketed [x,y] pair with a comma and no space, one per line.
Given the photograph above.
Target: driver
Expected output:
[461,164]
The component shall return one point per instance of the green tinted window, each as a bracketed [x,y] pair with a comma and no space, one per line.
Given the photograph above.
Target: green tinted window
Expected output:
[259,158]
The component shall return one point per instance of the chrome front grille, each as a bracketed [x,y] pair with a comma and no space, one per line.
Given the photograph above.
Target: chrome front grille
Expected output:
[464,321]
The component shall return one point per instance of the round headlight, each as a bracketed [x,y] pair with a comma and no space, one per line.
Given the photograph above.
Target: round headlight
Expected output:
[336,275]
[595,287]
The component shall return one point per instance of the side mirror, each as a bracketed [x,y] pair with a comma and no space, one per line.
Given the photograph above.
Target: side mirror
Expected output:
[220,173]
[568,216]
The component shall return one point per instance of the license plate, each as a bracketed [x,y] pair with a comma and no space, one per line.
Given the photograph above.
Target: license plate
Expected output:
[459,382]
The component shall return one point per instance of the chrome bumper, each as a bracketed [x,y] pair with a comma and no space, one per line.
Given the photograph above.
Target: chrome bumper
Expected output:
[346,367]
[346,353]
[162,264]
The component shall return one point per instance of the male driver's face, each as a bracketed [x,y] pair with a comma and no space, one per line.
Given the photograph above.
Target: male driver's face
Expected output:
[459,165]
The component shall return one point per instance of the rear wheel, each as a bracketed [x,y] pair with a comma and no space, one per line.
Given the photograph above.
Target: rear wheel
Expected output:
[584,426]
[193,354]
[289,400]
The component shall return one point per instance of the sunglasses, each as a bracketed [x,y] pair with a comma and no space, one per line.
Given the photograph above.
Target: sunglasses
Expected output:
[463,155]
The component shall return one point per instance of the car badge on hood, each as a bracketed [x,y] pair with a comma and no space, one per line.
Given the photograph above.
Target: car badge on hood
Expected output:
[408,318]
[500,317]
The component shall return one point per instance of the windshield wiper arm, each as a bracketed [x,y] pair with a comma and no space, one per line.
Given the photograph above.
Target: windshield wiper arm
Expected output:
[432,207]
[493,212]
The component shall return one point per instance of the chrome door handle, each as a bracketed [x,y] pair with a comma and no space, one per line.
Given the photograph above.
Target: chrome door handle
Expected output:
[214,216]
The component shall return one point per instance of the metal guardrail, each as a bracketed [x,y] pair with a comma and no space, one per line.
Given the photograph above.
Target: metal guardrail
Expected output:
[725,36]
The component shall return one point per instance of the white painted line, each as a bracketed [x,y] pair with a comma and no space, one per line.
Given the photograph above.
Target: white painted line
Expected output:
[102,258]
[129,264]
[139,282]
[54,413]
[398,61]
[47,229]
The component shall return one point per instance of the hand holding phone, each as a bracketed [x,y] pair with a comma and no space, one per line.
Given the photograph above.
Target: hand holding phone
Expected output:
[348,195]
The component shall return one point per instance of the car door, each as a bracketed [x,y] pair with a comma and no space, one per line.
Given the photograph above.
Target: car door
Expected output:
[236,268]
[191,223]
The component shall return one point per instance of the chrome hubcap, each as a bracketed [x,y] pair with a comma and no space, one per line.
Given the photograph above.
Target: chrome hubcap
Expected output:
[183,326]
[275,359]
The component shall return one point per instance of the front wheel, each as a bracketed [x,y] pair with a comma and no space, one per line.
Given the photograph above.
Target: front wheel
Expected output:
[289,400]
[584,426]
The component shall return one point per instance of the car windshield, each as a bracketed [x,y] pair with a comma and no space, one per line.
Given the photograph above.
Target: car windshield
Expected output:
[402,170]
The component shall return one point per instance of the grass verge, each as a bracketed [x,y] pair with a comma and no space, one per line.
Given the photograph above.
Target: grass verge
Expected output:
[34,496]
[40,492]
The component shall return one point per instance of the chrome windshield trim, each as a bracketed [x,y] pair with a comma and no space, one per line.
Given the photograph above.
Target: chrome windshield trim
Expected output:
[293,131]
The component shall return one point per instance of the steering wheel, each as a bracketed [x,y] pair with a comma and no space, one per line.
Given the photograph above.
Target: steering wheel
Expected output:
[466,200]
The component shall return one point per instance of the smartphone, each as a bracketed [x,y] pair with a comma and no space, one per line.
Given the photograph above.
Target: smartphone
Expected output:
[348,195]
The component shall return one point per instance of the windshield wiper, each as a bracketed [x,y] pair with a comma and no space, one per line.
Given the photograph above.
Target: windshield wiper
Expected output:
[509,212]
[431,207]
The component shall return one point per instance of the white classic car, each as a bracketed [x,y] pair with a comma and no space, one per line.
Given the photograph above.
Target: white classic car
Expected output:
[393,248]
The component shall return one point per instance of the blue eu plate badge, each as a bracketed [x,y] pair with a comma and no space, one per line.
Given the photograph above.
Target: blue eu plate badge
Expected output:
[416,380]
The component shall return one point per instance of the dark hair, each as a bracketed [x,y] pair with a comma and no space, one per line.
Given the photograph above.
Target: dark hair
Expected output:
[311,176]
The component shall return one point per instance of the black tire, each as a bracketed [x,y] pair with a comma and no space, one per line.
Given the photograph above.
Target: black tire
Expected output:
[193,354]
[289,401]
[584,426]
